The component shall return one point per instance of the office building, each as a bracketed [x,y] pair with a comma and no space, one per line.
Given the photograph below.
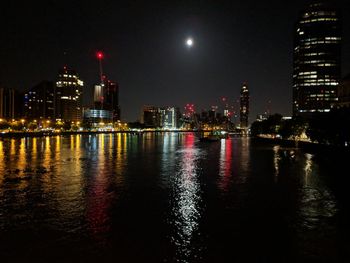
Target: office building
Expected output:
[317,55]
[68,93]
[39,101]
[161,117]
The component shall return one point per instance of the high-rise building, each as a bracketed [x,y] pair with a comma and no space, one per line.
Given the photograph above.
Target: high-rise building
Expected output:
[161,117]
[68,93]
[39,101]
[151,117]
[171,118]
[111,98]
[10,103]
[106,93]
[106,97]
[244,106]
[317,55]
[98,96]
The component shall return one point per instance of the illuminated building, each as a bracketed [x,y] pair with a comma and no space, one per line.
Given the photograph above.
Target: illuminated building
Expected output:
[98,96]
[68,93]
[244,106]
[171,118]
[39,101]
[106,94]
[161,117]
[106,98]
[10,103]
[344,92]
[317,54]
[96,117]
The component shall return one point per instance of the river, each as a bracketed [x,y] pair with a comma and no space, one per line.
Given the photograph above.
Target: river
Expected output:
[167,197]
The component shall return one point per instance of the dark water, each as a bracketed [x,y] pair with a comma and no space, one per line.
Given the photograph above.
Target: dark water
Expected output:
[169,198]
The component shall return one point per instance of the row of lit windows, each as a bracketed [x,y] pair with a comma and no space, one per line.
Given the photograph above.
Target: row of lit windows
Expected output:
[296,68]
[321,19]
[66,83]
[314,54]
[319,39]
[326,65]
[69,98]
[313,110]
[321,99]
[308,77]
[68,76]
[308,73]
[328,82]
[319,95]
[307,43]
[318,84]
[320,13]
[315,61]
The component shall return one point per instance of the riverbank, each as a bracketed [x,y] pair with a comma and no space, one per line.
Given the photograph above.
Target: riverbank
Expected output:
[308,147]
[45,133]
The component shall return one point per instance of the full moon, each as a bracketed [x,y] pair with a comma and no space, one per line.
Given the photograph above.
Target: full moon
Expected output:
[189,42]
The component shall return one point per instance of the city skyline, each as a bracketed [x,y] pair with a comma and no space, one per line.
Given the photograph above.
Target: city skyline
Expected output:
[146,51]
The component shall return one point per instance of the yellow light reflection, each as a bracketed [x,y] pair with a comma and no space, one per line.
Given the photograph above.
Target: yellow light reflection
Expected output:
[276,159]
[34,149]
[22,162]
[2,162]
[13,147]
[308,167]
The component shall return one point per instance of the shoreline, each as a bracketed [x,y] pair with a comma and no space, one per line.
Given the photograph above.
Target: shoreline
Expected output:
[309,147]
[51,134]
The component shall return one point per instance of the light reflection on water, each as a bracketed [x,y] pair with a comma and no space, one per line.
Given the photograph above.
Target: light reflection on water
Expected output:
[225,164]
[186,200]
[317,202]
[73,188]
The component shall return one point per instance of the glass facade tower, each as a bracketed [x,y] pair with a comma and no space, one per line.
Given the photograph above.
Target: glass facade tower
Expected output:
[317,60]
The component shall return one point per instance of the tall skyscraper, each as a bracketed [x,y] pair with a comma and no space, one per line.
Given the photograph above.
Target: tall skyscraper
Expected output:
[106,97]
[111,98]
[39,101]
[244,106]
[106,93]
[151,117]
[160,117]
[68,93]
[317,57]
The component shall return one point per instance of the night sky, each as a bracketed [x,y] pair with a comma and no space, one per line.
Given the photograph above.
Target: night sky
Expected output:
[144,44]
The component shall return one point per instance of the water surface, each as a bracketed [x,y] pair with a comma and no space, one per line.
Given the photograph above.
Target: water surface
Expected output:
[169,198]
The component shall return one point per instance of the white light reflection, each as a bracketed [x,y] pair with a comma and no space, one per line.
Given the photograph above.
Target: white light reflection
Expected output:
[308,167]
[186,200]
[318,203]
[225,164]
[276,159]
[168,157]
